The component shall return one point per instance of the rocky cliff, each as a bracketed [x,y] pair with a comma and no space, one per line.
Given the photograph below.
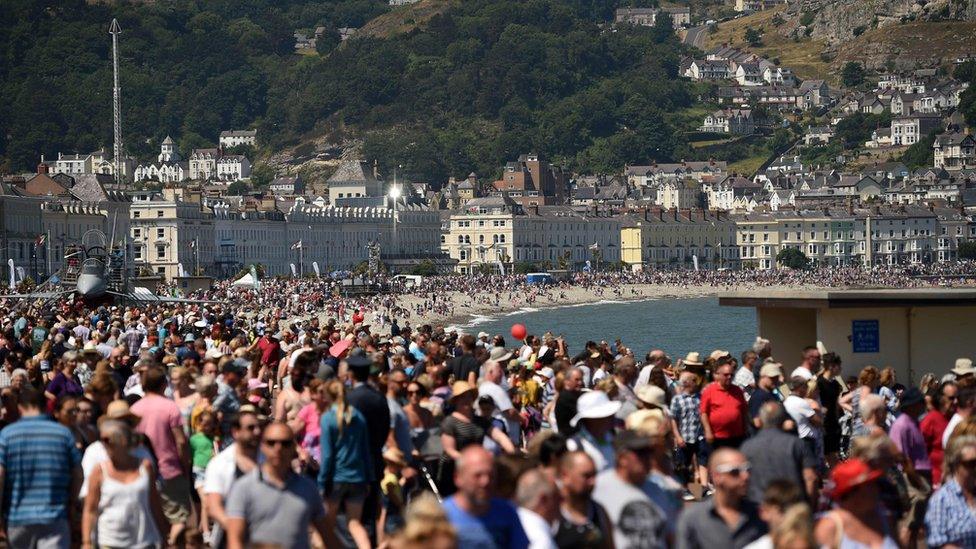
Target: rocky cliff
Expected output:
[839,21]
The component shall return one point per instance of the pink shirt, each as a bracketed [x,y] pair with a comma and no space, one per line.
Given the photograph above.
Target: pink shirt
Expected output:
[160,416]
[310,416]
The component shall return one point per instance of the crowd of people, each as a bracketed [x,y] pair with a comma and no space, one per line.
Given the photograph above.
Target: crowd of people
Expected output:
[259,423]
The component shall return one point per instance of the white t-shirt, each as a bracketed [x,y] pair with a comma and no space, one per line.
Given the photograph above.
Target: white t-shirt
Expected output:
[96,453]
[801,371]
[220,471]
[538,532]
[801,412]
[955,420]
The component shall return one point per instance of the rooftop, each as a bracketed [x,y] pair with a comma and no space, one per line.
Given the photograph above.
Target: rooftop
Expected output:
[849,298]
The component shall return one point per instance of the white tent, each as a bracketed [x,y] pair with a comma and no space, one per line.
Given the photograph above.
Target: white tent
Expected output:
[246,281]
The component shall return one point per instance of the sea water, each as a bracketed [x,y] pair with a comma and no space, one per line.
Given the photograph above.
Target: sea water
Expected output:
[676,325]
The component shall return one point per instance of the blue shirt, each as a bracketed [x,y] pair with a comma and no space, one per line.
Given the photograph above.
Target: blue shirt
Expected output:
[499,528]
[345,456]
[949,519]
[38,456]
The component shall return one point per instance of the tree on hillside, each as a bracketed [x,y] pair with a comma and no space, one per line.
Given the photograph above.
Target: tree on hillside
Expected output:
[753,37]
[855,129]
[967,250]
[852,75]
[792,258]
[327,41]
[921,153]
[238,188]
[663,27]
[965,72]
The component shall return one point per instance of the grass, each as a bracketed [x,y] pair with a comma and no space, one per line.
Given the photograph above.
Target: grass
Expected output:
[703,144]
[930,41]
[403,19]
[802,56]
[748,166]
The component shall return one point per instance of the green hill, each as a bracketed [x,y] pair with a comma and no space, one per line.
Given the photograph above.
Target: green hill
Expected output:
[465,87]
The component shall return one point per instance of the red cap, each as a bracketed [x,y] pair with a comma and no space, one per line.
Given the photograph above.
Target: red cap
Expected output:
[851,474]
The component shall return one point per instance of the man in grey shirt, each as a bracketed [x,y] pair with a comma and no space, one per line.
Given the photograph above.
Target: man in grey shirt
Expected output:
[775,454]
[272,504]
[638,522]
[728,520]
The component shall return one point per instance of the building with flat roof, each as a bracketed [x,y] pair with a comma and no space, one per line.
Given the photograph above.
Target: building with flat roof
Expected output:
[915,331]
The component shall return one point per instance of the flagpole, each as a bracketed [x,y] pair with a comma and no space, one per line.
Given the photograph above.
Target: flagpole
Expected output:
[47,252]
[301,259]
[196,256]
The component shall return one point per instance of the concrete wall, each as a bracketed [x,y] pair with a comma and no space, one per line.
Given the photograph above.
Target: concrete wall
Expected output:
[913,341]
[790,330]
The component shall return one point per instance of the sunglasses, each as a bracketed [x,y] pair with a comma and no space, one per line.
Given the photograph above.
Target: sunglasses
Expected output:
[968,464]
[409,392]
[734,470]
[283,442]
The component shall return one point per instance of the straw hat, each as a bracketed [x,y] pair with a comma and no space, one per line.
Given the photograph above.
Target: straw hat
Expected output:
[652,395]
[693,359]
[119,410]
[964,366]
[461,387]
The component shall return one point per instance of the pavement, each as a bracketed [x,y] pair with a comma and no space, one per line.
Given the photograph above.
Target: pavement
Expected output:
[695,36]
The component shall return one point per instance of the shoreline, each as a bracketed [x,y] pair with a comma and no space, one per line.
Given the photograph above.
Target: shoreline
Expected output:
[466,314]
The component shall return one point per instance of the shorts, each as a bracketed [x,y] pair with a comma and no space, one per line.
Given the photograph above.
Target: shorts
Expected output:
[699,449]
[55,535]
[199,474]
[348,492]
[175,493]
[729,442]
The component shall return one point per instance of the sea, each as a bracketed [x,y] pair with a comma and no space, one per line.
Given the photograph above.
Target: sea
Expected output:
[676,325]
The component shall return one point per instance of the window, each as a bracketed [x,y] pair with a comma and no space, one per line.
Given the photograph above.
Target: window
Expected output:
[136,233]
[159,213]
[136,214]
[463,255]
[160,251]
[137,253]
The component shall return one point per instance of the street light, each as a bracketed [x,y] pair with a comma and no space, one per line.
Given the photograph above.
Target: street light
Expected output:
[395,194]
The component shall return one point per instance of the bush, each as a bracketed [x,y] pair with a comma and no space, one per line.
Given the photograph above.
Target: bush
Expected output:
[524,267]
[424,268]
[807,18]
[793,258]
[967,250]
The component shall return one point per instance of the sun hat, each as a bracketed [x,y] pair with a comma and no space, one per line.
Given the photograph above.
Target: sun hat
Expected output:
[964,366]
[499,354]
[214,353]
[394,456]
[718,353]
[652,395]
[911,396]
[254,384]
[339,347]
[545,372]
[89,348]
[693,359]
[771,369]
[119,410]
[461,387]
[483,334]
[849,475]
[594,405]
[641,420]
[358,360]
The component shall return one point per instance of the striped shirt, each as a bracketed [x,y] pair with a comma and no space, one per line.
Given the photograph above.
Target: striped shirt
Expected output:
[38,456]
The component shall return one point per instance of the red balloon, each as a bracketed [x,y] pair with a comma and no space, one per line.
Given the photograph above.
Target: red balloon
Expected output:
[518,331]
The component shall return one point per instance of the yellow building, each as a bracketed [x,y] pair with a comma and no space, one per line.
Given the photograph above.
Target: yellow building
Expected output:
[674,238]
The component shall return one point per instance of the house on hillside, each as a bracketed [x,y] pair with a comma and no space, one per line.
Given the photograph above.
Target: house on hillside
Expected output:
[954,151]
[818,135]
[909,129]
[233,138]
[731,121]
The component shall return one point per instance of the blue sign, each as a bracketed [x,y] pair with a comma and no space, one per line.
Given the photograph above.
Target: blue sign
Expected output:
[866,336]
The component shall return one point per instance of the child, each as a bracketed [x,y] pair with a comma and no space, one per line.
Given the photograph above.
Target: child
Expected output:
[203,445]
[688,433]
[391,517]
[779,496]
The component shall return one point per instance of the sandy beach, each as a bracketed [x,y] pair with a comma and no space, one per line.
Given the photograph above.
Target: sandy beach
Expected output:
[465,309]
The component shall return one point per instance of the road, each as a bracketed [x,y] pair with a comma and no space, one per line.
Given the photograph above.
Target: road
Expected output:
[695,36]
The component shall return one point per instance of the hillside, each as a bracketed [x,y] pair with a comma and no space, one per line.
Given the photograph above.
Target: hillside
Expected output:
[404,19]
[484,81]
[817,37]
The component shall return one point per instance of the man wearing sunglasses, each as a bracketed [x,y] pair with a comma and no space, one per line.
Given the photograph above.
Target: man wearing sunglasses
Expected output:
[272,504]
[727,519]
[237,460]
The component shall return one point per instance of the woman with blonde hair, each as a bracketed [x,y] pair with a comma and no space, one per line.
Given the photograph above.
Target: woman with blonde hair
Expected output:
[344,468]
[206,386]
[868,382]
[185,397]
[796,529]
[427,526]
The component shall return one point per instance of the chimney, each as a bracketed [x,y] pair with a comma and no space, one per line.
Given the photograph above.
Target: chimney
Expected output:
[42,167]
[536,208]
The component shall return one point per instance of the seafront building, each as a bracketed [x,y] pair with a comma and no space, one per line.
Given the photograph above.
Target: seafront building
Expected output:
[661,239]
[175,229]
[496,233]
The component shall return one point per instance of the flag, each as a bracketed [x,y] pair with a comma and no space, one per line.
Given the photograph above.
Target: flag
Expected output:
[297,245]
[40,240]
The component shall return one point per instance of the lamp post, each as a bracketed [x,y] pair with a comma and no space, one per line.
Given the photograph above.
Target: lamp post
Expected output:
[395,194]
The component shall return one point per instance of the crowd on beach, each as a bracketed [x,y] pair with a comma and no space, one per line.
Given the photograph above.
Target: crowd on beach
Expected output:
[256,421]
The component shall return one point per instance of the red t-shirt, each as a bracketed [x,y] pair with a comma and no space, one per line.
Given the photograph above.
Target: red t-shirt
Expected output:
[932,426]
[270,351]
[725,410]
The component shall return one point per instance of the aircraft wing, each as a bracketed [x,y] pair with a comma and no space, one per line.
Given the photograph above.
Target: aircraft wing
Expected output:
[144,295]
[38,295]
